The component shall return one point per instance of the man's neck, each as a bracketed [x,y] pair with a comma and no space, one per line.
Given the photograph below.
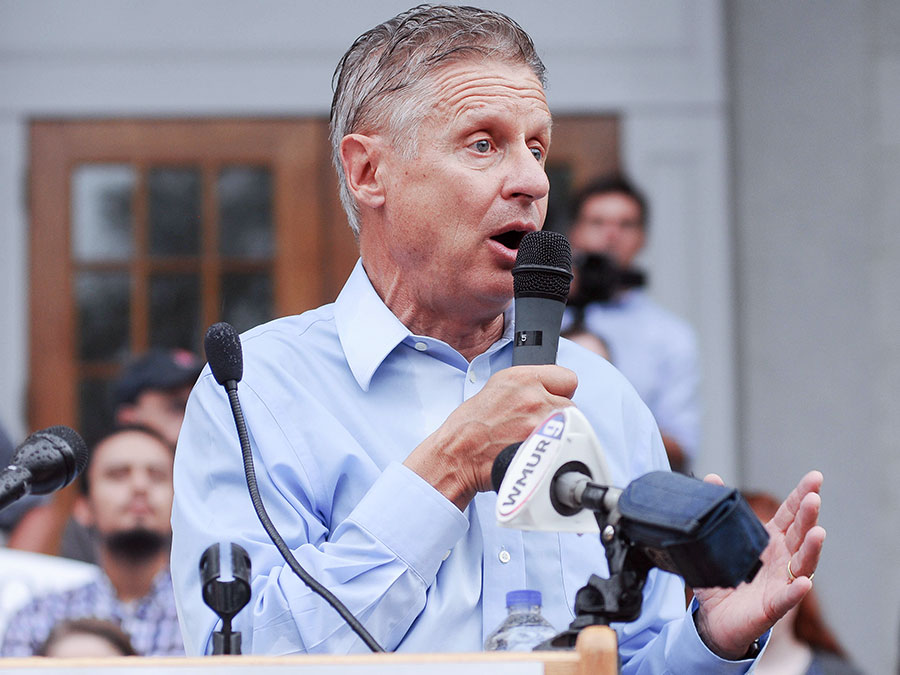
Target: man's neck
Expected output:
[132,579]
[469,329]
[467,337]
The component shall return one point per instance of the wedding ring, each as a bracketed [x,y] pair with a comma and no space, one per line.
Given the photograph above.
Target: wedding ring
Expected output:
[791,575]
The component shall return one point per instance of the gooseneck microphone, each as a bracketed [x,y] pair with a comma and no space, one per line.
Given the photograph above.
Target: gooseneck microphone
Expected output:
[46,461]
[226,361]
[541,278]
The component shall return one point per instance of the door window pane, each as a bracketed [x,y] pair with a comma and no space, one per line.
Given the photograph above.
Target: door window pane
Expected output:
[95,413]
[103,305]
[175,311]
[246,299]
[245,212]
[174,216]
[102,215]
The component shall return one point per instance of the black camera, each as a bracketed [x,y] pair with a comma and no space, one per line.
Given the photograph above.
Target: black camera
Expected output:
[599,278]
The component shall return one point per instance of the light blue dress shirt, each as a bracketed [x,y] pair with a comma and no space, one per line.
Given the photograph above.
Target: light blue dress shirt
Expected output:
[657,352]
[335,399]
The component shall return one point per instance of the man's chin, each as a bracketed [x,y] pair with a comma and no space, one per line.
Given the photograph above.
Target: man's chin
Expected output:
[136,544]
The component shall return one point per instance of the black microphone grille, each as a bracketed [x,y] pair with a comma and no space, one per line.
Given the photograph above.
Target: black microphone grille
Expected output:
[222,345]
[543,266]
[70,438]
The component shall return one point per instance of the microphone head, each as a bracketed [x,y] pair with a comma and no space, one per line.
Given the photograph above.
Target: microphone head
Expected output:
[543,266]
[222,345]
[501,464]
[53,456]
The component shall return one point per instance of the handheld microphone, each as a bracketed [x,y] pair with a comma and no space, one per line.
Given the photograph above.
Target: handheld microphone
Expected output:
[541,278]
[226,361]
[46,461]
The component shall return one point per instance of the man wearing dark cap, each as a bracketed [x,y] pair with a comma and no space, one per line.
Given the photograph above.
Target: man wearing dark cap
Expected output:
[153,390]
[126,501]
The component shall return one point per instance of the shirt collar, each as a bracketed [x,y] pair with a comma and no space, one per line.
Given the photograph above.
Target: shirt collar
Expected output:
[367,329]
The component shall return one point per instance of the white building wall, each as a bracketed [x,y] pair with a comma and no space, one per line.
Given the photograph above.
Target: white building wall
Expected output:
[816,131]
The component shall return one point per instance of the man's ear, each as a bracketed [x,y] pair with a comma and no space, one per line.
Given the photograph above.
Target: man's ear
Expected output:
[81,511]
[362,156]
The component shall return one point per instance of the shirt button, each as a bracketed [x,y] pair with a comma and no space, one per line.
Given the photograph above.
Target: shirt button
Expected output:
[421,346]
[472,377]
[504,556]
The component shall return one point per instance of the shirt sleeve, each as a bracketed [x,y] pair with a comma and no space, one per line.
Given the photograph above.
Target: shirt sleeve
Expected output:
[379,559]
[672,645]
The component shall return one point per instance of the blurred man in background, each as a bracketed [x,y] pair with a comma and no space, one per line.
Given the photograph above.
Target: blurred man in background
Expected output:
[154,388]
[653,348]
[127,501]
[151,391]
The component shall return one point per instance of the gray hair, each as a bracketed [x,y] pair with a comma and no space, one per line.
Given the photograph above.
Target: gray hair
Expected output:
[382,82]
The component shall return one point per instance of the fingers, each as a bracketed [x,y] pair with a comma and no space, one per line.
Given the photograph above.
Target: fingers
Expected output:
[788,597]
[558,381]
[713,478]
[803,563]
[806,516]
[785,516]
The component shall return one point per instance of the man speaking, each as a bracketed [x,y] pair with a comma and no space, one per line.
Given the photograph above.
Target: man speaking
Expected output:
[374,421]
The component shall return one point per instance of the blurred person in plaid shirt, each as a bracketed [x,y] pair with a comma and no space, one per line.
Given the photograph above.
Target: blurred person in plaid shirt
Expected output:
[127,502]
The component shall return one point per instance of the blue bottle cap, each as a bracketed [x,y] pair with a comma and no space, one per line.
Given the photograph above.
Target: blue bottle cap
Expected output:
[523,598]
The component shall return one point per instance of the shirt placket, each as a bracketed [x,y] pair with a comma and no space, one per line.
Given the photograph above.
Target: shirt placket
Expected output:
[503,564]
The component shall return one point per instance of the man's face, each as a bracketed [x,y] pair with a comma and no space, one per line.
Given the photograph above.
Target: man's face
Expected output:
[161,410]
[609,223]
[454,214]
[130,484]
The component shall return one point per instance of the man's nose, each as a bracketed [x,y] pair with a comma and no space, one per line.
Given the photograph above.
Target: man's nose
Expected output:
[140,481]
[527,178]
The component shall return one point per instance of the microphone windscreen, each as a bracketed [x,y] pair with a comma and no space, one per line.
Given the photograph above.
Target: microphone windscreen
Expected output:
[54,456]
[73,440]
[543,266]
[501,464]
[222,345]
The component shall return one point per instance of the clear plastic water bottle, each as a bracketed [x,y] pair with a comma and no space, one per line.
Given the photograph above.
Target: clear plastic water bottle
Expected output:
[524,628]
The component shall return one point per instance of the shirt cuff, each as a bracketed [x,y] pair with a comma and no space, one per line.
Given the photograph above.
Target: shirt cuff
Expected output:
[696,648]
[411,518]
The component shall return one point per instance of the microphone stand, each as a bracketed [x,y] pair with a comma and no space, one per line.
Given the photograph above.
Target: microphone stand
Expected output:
[225,597]
[602,601]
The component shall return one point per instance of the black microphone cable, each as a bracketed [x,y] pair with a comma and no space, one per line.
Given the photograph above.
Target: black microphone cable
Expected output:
[223,351]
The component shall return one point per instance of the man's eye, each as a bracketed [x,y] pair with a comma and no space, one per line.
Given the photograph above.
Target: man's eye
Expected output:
[482,146]
[538,154]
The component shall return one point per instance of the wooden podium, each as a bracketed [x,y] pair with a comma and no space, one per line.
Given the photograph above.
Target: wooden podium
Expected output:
[596,653]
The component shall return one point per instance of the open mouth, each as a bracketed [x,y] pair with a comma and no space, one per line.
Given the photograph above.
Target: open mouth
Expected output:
[510,239]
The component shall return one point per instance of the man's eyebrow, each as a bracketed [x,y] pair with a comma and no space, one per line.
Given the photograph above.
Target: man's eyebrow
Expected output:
[474,116]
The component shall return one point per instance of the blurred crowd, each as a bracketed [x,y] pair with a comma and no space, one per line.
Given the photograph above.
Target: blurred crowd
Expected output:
[123,602]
